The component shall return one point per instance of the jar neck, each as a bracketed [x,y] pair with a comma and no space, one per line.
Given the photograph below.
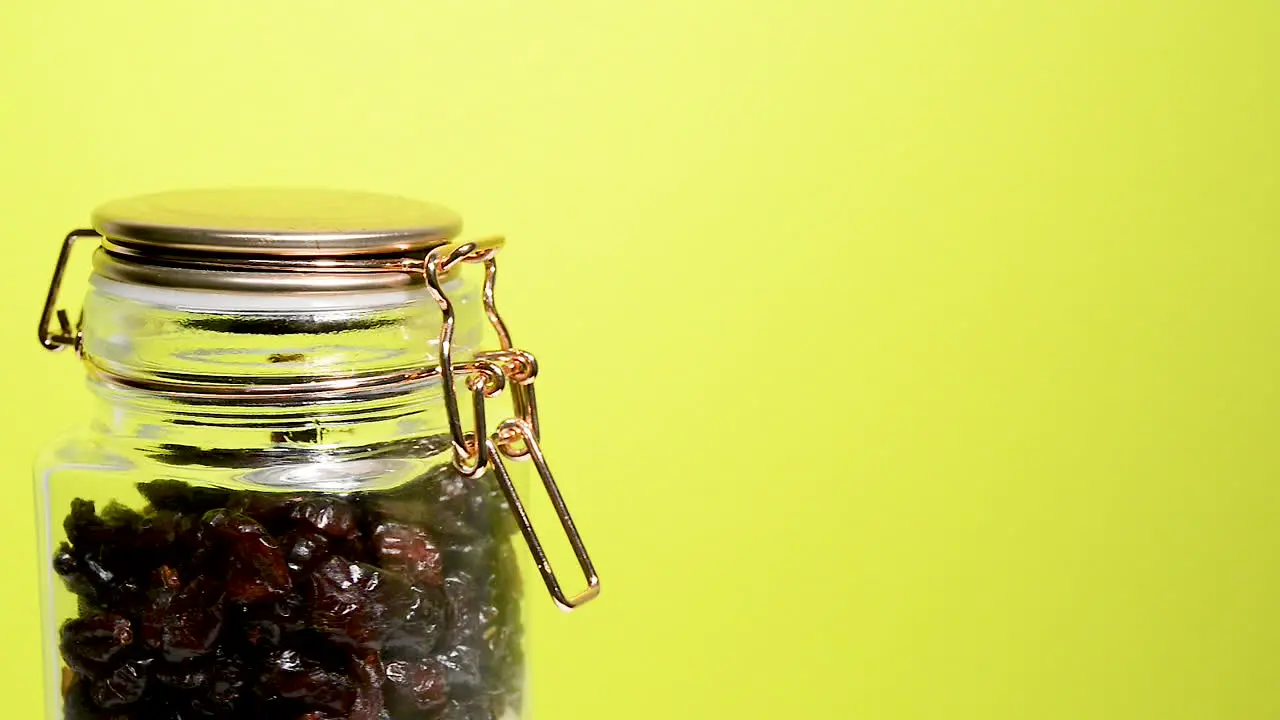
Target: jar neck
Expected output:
[162,425]
[141,337]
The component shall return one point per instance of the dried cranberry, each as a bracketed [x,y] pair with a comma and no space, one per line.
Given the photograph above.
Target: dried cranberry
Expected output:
[189,535]
[119,517]
[122,687]
[423,682]
[409,550]
[159,539]
[417,615]
[331,516]
[466,710]
[266,508]
[468,556]
[316,646]
[76,703]
[257,571]
[369,703]
[461,667]
[305,549]
[288,675]
[185,676]
[228,678]
[291,612]
[89,643]
[97,573]
[464,623]
[64,562]
[263,633]
[443,502]
[85,530]
[181,497]
[256,579]
[184,624]
[346,603]
[77,577]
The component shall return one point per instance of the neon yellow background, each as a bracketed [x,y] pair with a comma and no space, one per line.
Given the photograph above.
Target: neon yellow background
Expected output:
[900,360]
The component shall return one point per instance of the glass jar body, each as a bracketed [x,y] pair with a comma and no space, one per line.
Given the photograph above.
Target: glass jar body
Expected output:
[313,558]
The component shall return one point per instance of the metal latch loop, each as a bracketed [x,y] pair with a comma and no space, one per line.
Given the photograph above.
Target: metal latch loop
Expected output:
[65,335]
[516,438]
[522,429]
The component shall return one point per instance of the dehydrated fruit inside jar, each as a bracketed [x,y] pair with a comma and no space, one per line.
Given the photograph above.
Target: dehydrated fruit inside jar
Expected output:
[220,603]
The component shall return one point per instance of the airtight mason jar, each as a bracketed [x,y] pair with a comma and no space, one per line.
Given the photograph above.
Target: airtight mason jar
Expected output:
[292,500]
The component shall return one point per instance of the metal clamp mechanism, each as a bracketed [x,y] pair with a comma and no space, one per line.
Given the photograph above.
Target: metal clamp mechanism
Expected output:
[515,438]
[65,335]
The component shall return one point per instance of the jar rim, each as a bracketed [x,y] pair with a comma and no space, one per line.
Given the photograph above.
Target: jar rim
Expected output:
[270,239]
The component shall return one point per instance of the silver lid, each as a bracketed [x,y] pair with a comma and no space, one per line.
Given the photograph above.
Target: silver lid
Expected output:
[307,222]
[268,239]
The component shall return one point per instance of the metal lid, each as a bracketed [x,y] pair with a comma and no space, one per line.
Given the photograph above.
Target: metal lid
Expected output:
[269,239]
[298,222]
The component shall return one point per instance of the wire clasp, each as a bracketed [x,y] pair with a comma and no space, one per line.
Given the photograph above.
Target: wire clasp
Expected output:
[64,335]
[515,438]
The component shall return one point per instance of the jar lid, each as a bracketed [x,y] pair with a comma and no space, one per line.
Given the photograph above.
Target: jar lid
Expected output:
[269,239]
[298,222]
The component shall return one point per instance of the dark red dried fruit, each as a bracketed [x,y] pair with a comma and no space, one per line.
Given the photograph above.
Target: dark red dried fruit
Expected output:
[189,539]
[369,699]
[409,550]
[464,623]
[256,570]
[466,710]
[332,516]
[90,643]
[443,502]
[263,633]
[180,497]
[305,549]
[417,615]
[257,578]
[291,612]
[346,602]
[122,687]
[233,527]
[85,530]
[158,531]
[64,562]
[461,666]
[76,703]
[228,679]
[120,517]
[79,578]
[290,676]
[246,605]
[187,676]
[318,647]
[265,507]
[423,682]
[185,624]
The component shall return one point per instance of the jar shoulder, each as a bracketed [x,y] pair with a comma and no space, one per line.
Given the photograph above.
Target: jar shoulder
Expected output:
[82,447]
[89,451]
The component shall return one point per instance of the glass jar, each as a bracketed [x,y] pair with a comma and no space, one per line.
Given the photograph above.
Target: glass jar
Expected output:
[288,501]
